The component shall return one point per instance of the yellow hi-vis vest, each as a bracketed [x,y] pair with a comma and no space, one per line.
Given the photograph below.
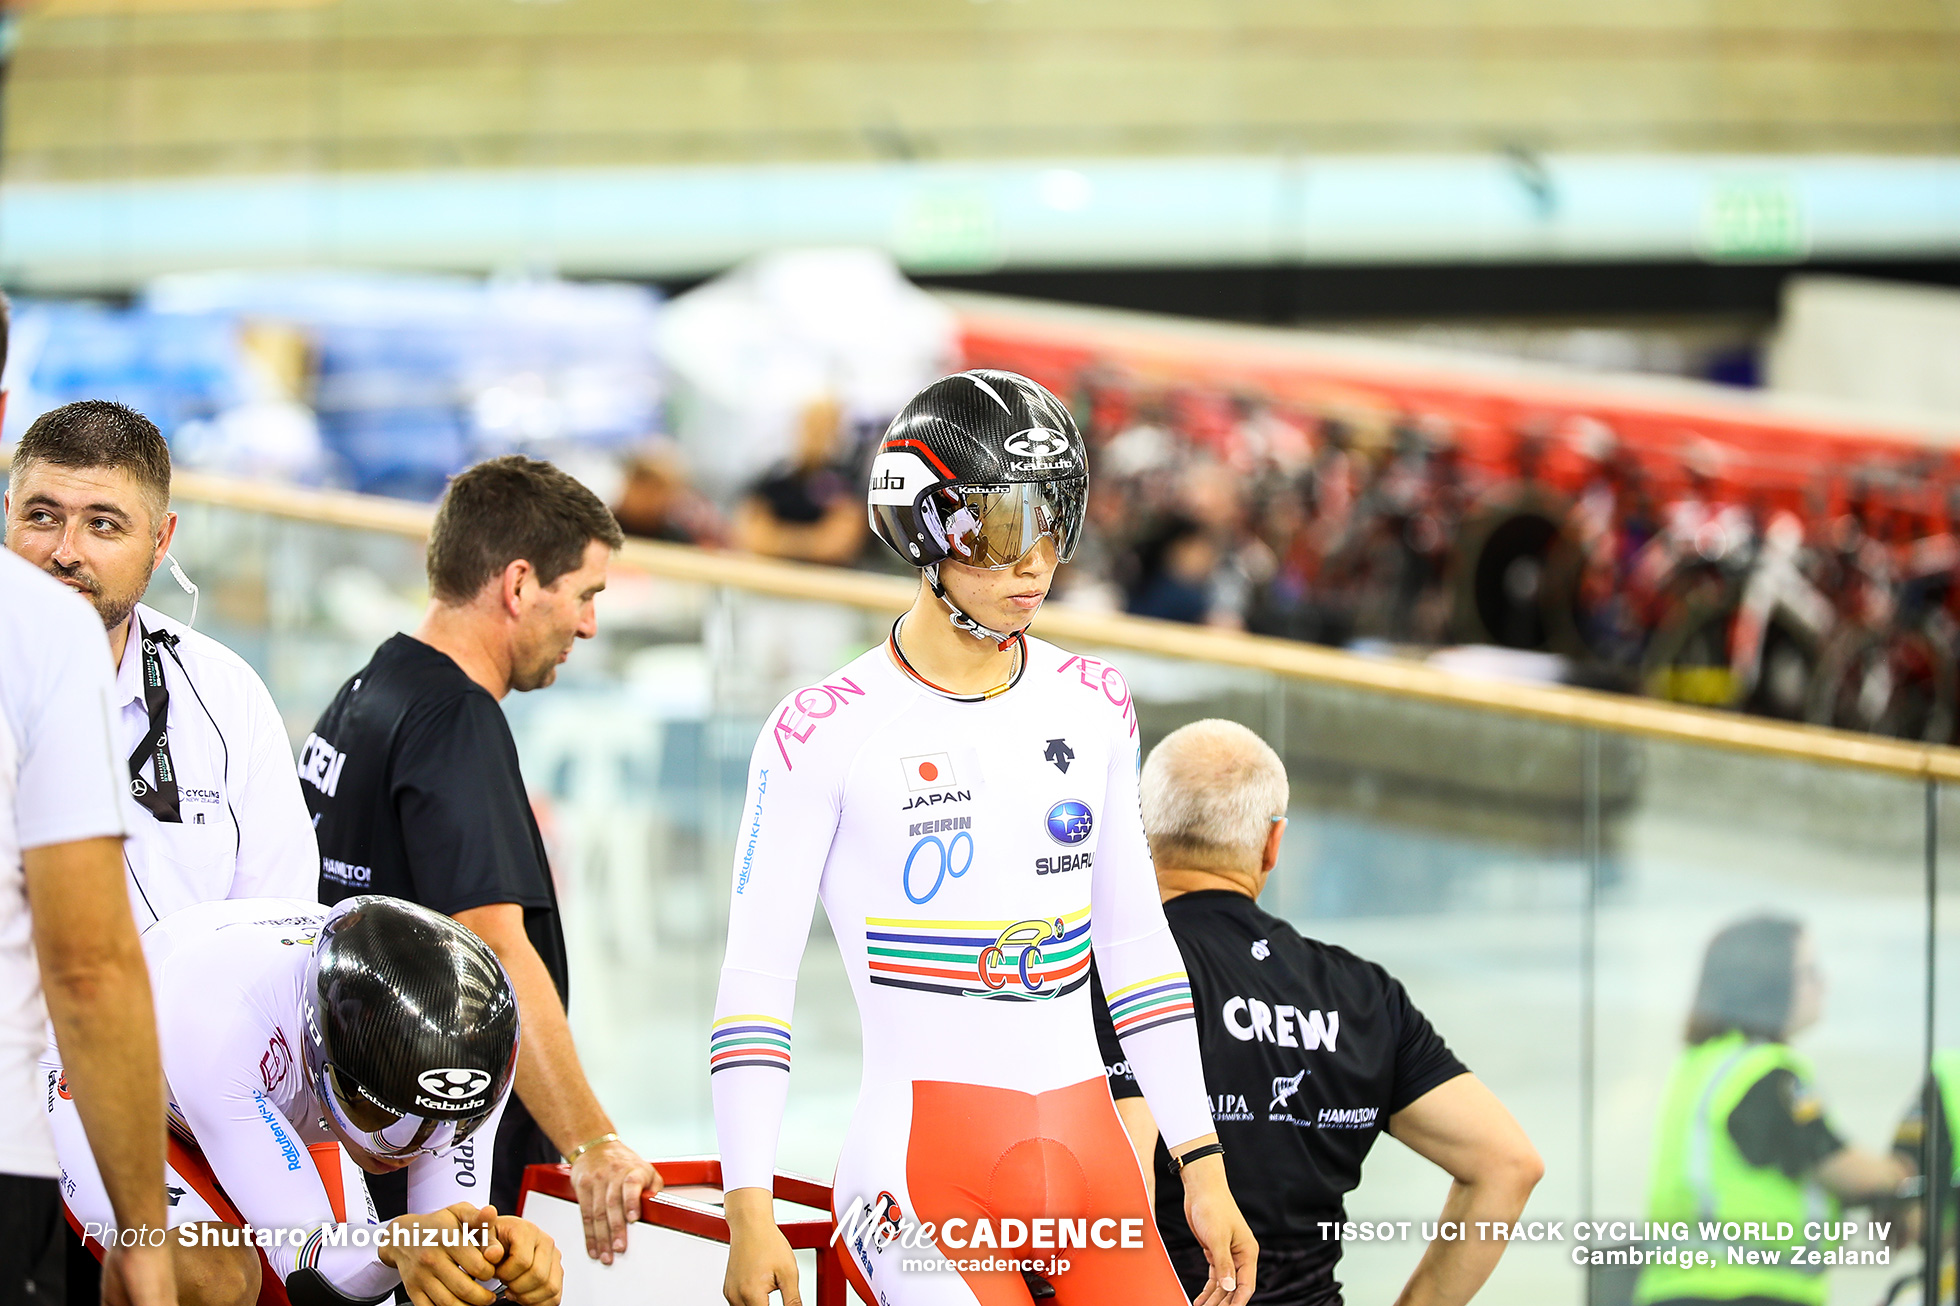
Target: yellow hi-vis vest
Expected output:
[1946,1074]
[1700,1176]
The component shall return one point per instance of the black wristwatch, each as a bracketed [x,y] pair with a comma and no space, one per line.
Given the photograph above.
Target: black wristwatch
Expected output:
[1195,1154]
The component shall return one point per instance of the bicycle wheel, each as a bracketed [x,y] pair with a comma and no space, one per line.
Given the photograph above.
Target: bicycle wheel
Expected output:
[1688,658]
[1899,682]
[1688,662]
[1499,568]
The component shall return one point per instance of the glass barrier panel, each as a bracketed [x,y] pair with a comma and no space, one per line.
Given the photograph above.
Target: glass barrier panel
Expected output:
[1547,893]
[1940,1107]
[1448,846]
[1743,897]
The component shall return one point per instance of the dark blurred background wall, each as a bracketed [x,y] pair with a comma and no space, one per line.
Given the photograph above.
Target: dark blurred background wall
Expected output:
[1502,133]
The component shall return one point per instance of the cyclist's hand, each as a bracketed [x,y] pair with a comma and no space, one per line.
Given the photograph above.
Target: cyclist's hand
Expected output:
[610,1179]
[760,1260]
[529,1266]
[1221,1230]
[138,1276]
[447,1275]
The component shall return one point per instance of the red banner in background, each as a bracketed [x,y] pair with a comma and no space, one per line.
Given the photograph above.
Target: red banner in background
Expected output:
[1754,452]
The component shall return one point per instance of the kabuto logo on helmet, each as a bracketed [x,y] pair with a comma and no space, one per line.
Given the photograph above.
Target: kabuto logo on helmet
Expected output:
[454,1084]
[393,987]
[897,476]
[975,470]
[1036,442]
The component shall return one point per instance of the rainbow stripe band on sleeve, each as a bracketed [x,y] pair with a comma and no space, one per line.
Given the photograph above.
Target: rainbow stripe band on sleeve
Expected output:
[1152,1003]
[748,1041]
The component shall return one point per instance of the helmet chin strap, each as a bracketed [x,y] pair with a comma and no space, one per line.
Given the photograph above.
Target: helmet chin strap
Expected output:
[961,619]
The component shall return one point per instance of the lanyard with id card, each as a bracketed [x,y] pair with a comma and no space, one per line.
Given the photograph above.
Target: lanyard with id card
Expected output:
[158,797]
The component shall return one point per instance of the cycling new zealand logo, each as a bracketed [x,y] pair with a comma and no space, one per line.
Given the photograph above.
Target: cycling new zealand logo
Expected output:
[1070,821]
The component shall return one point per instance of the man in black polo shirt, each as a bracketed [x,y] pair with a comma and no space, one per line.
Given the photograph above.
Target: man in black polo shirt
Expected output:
[412,778]
[1310,1052]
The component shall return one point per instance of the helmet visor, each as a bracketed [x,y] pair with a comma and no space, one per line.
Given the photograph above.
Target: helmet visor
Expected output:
[994,526]
[383,1133]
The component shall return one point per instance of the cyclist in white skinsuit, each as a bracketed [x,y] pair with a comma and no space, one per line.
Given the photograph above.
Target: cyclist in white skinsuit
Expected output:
[231,981]
[966,847]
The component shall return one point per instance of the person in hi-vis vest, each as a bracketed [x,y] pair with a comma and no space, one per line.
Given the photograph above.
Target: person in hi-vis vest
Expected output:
[1743,1136]
[1932,1151]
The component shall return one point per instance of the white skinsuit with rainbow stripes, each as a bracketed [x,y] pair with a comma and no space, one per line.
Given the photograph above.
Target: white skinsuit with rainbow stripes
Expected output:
[966,853]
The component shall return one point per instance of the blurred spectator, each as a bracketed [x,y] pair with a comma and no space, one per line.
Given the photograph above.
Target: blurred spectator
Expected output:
[1174,573]
[812,507]
[1743,1133]
[657,502]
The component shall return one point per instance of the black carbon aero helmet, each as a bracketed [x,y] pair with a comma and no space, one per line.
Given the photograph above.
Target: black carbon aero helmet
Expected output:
[976,469]
[411,1026]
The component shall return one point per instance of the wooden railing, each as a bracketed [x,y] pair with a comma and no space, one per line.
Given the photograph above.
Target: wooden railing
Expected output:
[1407,679]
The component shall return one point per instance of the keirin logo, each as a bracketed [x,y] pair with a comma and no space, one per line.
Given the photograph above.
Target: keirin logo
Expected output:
[940,860]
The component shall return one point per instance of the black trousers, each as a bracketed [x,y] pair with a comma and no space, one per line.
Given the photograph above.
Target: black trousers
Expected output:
[34,1270]
[1288,1276]
[519,1143]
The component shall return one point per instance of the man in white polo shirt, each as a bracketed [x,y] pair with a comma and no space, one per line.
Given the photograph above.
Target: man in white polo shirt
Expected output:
[66,933]
[215,808]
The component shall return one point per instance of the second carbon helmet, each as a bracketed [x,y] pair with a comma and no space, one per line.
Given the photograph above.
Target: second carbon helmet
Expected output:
[411,1026]
[976,469]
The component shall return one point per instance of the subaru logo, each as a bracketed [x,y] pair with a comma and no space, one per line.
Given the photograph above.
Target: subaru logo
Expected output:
[1069,822]
[456,1085]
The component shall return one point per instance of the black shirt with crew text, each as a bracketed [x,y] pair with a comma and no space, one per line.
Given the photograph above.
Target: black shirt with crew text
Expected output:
[412,778]
[1307,1050]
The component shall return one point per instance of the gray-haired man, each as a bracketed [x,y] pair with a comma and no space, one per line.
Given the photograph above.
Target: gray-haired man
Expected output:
[1310,1052]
